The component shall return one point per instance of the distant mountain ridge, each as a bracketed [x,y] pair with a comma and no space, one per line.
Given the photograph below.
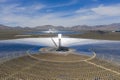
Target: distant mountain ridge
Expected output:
[109,27]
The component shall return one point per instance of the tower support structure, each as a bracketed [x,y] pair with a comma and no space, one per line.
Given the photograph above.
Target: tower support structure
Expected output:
[59,39]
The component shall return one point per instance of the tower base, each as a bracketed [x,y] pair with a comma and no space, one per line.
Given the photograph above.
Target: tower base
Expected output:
[63,49]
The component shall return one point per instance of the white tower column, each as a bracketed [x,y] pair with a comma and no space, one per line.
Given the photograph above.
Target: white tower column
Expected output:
[59,39]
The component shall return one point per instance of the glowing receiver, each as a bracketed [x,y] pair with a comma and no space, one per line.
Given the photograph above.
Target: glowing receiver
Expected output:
[59,36]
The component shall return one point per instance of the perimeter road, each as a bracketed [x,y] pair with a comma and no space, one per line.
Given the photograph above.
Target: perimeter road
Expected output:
[94,55]
[87,61]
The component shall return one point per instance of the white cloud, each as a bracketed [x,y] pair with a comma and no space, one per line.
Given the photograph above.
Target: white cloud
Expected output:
[64,4]
[38,6]
[91,16]
[113,10]
[53,19]
[82,11]
[17,8]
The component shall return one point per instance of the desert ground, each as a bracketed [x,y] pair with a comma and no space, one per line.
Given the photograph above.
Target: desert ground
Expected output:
[15,34]
[29,68]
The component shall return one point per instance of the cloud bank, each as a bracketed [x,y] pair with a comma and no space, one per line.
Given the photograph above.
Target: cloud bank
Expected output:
[31,15]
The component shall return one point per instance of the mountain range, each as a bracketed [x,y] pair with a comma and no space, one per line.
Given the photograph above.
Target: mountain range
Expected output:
[109,27]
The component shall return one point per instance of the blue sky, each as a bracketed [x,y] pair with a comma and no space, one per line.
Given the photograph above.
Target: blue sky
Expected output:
[59,12]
